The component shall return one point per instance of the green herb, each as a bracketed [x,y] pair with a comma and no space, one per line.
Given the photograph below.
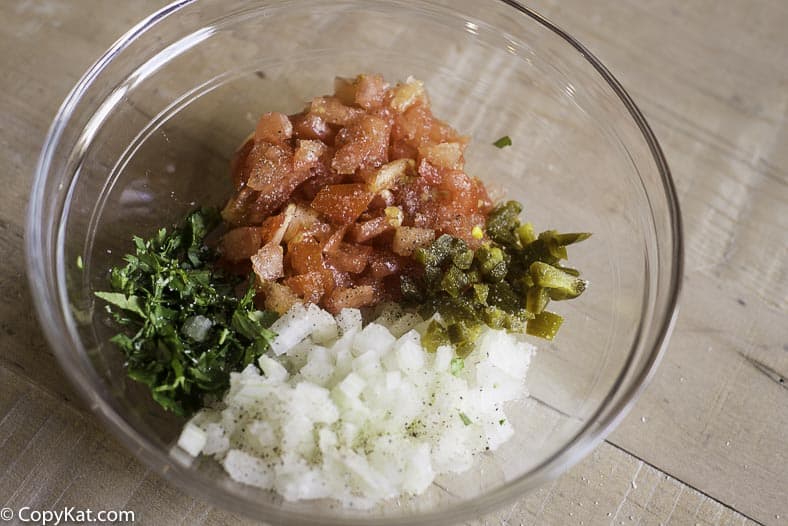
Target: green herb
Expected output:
[465,419]
[505,284]
[503,142]
[501,421]
[186,330]
[456,365]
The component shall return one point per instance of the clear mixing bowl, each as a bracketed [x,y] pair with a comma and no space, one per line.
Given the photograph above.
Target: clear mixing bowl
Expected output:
[147,133]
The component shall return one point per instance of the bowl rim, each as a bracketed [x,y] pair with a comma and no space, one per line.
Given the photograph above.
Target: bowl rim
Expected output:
[161,462]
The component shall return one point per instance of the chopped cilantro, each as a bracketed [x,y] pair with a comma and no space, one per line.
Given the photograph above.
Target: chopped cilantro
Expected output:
[456,365]
[186,330]
[465,419]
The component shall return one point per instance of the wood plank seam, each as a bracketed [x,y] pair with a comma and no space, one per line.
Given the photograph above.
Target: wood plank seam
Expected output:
[684,484]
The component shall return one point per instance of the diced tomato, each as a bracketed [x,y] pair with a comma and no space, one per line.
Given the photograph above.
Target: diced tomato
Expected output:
[278,297]
[382,199]
[363,144]
[241,243]
[456,191]
[365,176]
[237,164]
[370,91]
[383,264]
[310,286]
[363,232]
[331,110]
[402,149]
[267,165]
[442,132]
[274,227]
[342,203]
[307,154]
[321,174]
[349,257]
[273,128]
[355,297]
[339,278]
[407,239]
[305,257]
[413,126]
[333,241]
[271,173]
[303,217]
[237,209]
[446,155]
[312,127]
[429,173]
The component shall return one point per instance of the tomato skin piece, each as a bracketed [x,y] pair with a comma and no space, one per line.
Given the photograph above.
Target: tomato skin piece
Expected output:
[342,203]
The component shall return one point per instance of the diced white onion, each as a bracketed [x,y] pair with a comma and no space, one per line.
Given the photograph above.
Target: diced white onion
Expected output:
[340,411]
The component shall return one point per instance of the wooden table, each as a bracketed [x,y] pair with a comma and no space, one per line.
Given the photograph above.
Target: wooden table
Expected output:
[706,444]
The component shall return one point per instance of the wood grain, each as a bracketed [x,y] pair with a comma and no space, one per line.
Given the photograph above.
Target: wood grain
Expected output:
[716,415]
[712,428]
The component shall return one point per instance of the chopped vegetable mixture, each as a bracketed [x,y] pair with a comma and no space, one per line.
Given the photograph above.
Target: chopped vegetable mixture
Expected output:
[359,199]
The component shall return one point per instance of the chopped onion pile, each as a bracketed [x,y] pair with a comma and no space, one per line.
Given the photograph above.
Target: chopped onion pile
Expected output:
[360,414]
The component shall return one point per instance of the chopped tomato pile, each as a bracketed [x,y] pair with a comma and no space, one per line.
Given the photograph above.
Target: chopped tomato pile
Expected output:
[330,203]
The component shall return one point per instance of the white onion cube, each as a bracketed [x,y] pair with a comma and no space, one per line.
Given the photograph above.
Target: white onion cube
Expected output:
[192,439]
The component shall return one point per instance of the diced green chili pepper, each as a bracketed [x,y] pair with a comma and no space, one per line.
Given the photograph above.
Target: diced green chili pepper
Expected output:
[463,335]
[526,233]
[503,284]
[544,325]
[571,238]
[463,259]
[550,277]
[454,281]
[480,292]
[411,290]
[435,336]
[502,222]
[536,300]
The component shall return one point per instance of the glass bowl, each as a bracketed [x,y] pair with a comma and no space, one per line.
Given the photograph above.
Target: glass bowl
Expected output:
[147,133]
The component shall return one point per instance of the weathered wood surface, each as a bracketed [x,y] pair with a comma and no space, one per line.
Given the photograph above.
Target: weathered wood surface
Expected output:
[707,443]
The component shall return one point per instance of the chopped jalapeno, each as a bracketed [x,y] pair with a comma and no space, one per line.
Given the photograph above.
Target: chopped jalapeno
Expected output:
[506,283]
